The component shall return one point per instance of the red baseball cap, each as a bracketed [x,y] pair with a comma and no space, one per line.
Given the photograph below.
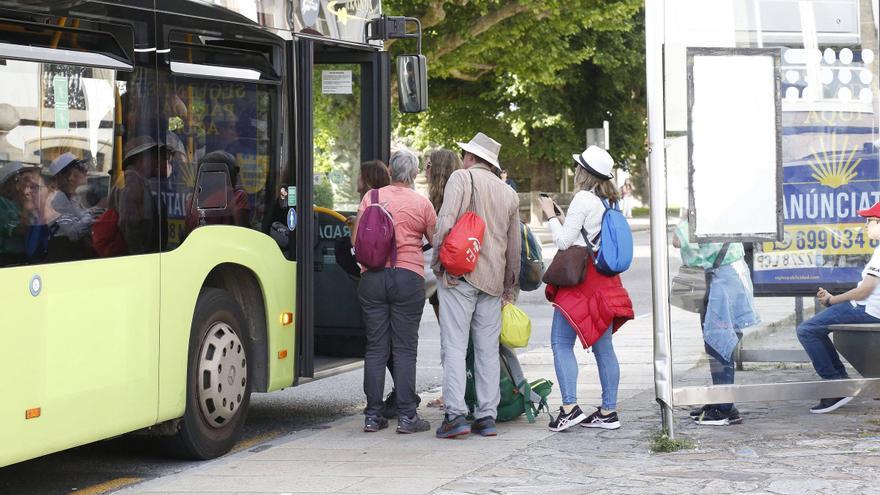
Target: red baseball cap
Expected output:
[873,211]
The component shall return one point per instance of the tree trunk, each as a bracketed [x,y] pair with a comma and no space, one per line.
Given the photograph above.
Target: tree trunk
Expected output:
[544,177]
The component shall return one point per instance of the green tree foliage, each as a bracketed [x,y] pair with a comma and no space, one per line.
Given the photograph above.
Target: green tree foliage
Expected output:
[533,75]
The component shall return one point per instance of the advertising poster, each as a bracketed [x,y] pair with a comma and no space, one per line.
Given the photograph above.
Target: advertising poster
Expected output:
[837,175]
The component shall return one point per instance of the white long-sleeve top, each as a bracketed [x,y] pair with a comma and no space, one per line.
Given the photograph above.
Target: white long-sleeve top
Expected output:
[586,210]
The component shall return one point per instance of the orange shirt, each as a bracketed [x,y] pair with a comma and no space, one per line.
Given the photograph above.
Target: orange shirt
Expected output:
[413,218]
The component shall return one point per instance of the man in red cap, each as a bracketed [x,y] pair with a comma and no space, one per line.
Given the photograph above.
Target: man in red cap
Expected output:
[859,305]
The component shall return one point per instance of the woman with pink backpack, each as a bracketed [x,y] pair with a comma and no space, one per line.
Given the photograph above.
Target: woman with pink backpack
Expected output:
[391,224]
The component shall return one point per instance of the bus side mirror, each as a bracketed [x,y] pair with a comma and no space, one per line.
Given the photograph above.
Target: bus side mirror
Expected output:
[412,83]
[213,194]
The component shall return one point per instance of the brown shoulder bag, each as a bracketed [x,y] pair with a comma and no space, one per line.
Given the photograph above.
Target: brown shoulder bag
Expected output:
[569,265]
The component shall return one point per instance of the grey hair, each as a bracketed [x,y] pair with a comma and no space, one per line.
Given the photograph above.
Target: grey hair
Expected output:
[404,167]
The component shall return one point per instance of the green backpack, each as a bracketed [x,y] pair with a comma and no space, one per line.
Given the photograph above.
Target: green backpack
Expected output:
[518,396]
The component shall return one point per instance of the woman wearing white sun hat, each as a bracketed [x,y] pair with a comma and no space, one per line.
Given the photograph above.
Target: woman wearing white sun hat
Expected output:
[605,295]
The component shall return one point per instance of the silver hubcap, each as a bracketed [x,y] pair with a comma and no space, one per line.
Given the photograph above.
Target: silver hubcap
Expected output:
[222,375]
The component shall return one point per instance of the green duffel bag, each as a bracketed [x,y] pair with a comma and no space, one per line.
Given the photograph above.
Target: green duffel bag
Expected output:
[518,396]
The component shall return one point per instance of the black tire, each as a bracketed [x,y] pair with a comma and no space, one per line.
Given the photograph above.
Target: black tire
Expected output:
[200,437]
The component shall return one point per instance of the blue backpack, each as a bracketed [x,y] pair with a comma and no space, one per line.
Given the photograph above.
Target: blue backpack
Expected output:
[616,247]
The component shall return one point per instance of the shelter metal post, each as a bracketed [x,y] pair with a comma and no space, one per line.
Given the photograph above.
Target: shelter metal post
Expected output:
[654,41]
[798,311]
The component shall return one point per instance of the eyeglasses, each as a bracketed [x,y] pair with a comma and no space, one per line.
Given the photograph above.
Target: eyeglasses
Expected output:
[872,220]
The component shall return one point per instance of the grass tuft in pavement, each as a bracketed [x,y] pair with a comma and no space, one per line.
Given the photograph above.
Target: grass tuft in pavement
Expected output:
[661,443]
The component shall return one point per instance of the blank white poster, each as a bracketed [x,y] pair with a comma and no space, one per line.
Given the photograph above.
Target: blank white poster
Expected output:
[734,137]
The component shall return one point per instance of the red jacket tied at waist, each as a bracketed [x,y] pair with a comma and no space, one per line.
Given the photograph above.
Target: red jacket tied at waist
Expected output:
[594,305]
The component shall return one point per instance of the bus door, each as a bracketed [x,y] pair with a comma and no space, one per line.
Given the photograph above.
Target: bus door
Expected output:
[343,120]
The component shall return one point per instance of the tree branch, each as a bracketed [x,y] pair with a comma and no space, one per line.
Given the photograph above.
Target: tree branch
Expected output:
[454,41]
[481,70]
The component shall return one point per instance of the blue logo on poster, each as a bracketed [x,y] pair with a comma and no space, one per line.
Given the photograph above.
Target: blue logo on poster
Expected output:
[291,219]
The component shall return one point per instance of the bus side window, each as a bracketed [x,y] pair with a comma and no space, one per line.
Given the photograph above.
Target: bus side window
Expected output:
[57,149]
[218,122]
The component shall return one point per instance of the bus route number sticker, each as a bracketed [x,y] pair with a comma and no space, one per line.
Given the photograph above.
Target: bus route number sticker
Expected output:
[291,219]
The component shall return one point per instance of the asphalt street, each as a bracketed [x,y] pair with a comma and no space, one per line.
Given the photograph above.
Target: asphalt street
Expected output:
[102,466]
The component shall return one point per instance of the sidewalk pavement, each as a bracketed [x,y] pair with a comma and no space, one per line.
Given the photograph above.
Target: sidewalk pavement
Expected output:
[781,448]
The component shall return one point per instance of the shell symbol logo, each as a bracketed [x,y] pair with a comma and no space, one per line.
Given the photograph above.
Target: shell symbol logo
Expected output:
[835,168]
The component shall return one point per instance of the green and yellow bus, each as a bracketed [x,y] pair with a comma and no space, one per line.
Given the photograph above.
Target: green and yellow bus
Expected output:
[172,174]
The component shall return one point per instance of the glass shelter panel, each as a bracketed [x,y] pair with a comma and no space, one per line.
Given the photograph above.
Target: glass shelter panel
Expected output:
[828,97]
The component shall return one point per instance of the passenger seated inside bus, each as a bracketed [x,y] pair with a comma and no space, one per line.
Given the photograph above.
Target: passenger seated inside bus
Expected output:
[238,212]
[133,199]
[70,223]
[24,235]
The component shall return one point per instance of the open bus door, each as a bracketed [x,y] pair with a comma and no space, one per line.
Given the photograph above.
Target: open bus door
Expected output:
[342,96]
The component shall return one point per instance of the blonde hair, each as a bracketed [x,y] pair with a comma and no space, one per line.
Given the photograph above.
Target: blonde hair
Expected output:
[443,163]
[604,188]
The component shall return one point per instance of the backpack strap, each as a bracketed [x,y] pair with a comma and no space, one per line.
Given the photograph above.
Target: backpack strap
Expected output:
[374,199]
[525,392]
[590,251]
[721,255]
[471,206]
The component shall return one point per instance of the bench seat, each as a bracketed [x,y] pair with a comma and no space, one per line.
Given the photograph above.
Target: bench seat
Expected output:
[860,345]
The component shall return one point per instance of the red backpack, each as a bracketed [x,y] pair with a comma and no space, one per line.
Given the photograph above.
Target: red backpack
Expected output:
[375,241]
[107,239]
[461,247]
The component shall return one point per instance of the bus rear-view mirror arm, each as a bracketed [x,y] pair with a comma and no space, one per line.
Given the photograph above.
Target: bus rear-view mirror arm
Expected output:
[412,70]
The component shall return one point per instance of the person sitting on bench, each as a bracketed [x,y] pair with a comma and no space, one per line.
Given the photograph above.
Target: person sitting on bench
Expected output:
[859,305]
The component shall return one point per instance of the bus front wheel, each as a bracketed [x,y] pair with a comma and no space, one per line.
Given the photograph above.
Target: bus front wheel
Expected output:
[218,386]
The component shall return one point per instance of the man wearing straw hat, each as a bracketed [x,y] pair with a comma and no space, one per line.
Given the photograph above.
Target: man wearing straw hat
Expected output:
[470,305]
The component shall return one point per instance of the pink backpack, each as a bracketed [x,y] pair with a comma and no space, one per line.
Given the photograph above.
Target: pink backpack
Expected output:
[375,241]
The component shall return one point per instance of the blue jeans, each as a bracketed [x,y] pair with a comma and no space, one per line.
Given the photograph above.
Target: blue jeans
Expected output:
[723,372]
[813,335]
[562,339]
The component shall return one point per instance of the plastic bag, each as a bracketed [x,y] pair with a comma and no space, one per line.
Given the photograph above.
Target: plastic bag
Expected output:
[516,327]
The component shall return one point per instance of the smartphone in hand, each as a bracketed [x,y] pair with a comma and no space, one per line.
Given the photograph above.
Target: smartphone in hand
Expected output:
[556,208]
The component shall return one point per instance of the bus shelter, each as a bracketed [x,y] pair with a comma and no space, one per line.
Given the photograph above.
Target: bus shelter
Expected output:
[763,133]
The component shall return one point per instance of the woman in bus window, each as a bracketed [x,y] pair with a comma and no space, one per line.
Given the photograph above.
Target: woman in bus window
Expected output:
[70,223]
[24,236]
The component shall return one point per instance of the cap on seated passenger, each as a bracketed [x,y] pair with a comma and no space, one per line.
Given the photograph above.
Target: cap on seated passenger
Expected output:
[64,161]
[873,211]
[9,170]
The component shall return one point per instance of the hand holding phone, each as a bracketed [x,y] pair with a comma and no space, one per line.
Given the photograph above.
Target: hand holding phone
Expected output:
[550,207]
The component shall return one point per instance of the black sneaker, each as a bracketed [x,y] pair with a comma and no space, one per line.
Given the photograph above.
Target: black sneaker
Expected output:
[696,413]
[828,405]
[453,427]
[372,425]
[565,421]
[484,427]
[605,421]
[414,424]
[716,417]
